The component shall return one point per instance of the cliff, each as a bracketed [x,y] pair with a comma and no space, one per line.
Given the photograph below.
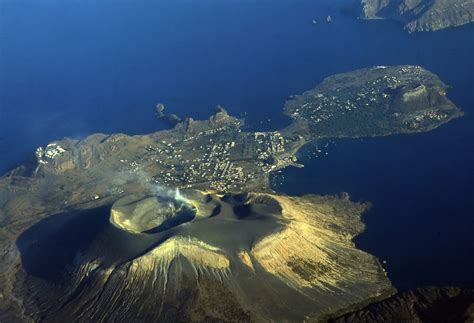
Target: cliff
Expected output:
[419,15]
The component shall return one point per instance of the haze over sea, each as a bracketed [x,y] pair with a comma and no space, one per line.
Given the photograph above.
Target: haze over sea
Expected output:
[72,68]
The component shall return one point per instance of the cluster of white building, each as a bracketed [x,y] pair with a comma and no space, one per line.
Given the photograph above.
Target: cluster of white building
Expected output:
[51,151]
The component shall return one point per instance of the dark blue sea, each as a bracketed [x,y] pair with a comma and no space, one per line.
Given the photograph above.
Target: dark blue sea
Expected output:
[72,68]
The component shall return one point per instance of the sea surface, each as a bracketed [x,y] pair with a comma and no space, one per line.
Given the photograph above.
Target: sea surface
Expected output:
[72,68]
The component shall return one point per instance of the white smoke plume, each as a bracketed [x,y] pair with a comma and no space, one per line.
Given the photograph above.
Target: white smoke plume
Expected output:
[149,185]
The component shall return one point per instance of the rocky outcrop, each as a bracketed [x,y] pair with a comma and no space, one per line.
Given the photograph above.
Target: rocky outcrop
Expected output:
[419,15]
[429,304]
[171,119]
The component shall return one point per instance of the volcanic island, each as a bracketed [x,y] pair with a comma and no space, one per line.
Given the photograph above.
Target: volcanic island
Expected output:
[183,225]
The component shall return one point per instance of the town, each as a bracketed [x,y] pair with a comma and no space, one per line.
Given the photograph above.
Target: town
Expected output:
[222,159]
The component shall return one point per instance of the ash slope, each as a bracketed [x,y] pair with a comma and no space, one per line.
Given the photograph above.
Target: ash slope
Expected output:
[260,257]
[419,15]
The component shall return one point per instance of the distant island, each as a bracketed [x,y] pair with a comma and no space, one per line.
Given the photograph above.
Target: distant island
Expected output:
[182,224]
[419,15]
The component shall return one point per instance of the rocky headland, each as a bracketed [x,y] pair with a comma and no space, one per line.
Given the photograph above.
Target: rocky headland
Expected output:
[419,15]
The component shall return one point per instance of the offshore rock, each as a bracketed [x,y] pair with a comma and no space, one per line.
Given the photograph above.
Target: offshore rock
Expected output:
[171,119]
